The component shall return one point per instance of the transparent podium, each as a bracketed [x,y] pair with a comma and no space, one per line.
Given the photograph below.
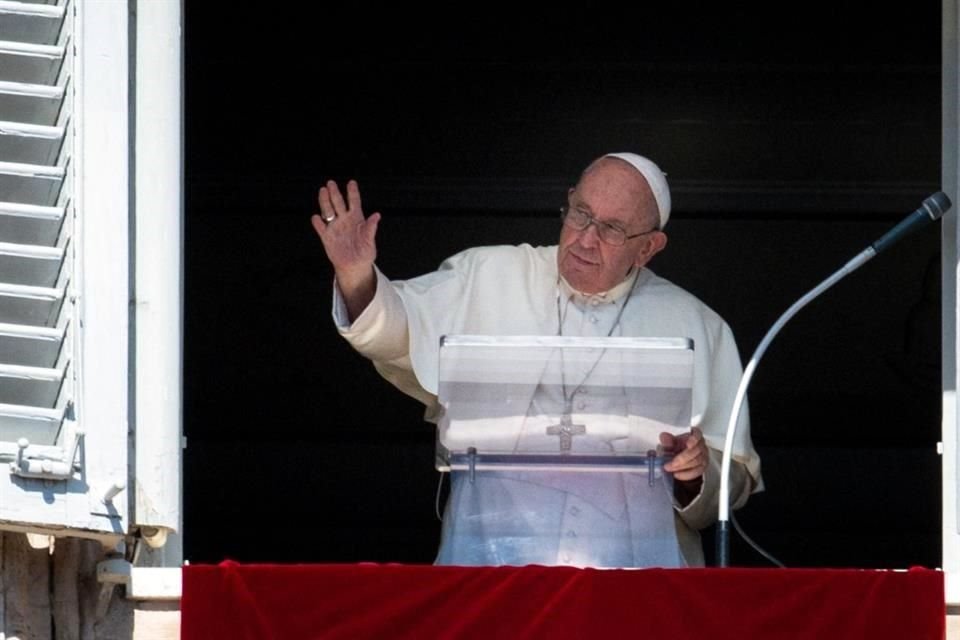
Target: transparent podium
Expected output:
[553,445]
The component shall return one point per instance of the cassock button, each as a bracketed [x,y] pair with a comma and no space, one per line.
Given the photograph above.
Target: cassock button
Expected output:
[594,319]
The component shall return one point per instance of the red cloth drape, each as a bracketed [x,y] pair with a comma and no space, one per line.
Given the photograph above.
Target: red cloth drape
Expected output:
[290,602]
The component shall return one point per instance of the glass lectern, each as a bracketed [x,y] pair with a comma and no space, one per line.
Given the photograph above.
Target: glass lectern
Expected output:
[553,426]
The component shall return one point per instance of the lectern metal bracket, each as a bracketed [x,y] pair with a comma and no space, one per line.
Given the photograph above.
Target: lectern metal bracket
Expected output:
[472,464]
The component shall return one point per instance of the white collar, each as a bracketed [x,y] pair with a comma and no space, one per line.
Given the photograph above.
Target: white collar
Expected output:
[613,295]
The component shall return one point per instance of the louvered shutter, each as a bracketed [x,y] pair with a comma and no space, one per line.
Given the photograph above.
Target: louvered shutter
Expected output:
[36,260]
[64,280]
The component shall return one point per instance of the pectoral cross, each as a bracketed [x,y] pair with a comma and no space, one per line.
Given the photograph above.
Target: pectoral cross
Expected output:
[566,430]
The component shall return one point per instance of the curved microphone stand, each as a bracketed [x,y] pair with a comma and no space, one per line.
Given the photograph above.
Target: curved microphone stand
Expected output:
[931,209]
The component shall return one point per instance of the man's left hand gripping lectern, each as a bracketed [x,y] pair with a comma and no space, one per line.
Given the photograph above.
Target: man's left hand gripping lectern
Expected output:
[578,415]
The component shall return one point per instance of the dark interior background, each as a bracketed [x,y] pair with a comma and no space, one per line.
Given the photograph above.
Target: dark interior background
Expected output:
[793,137]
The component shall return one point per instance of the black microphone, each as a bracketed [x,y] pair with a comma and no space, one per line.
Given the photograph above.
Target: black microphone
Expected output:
[931,209]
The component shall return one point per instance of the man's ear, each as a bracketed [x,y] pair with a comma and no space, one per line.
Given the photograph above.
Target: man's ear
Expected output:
[654,244]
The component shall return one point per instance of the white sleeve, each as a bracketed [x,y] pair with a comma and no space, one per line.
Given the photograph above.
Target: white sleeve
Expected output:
[380,332]
[702,510]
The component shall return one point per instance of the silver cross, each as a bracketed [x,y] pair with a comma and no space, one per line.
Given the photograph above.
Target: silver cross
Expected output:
[566,430]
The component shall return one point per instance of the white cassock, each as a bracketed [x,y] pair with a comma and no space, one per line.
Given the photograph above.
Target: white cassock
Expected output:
[580,519]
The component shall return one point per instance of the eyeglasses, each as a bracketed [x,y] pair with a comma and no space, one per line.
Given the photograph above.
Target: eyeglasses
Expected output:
[579,220]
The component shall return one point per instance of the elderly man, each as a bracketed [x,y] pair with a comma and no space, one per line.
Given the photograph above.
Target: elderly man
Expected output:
[595,283]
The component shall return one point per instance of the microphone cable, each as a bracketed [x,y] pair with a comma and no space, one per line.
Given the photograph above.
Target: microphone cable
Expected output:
[756,547]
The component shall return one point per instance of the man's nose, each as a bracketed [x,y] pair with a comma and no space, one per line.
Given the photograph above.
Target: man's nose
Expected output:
[590,237]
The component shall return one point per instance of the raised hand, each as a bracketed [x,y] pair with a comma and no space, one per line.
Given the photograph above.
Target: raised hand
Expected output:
[349,240]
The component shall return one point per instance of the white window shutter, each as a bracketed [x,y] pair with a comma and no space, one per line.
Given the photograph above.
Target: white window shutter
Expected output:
[36,392]
[64,272]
